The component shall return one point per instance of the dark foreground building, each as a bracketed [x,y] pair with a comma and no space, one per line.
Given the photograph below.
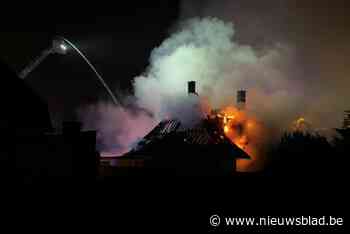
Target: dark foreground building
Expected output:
[70,154]
[30,149]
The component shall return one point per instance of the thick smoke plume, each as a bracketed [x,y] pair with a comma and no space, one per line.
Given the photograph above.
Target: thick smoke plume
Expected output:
[205,50]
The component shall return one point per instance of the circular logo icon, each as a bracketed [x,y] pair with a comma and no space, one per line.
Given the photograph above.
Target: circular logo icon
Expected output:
[214,220]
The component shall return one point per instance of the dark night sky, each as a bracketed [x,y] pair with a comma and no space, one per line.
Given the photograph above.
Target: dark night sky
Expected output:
[119,43]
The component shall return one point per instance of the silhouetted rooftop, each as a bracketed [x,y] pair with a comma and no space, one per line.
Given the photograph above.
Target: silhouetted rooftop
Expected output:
[170,136]
[22,110]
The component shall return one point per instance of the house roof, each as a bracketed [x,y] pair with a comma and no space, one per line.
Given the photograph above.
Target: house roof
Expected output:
[170,136]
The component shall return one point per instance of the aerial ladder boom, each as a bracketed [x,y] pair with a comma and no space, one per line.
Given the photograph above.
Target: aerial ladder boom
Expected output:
[60,46]
[36,62]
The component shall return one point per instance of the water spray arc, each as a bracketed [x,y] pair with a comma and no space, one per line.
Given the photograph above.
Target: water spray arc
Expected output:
[93,68]
[60,45]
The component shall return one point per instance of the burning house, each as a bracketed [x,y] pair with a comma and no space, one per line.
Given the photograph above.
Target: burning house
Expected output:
[203,149]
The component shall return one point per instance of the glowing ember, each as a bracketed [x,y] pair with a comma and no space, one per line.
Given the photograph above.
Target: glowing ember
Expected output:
[226,129]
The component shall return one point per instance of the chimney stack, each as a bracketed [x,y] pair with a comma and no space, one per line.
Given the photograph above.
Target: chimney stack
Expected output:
[346,123]
[192,87]
[241,99]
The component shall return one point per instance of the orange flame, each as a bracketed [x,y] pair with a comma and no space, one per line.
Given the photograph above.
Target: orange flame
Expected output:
[246,133]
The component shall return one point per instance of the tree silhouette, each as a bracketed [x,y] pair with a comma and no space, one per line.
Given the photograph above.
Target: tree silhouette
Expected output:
[305,154]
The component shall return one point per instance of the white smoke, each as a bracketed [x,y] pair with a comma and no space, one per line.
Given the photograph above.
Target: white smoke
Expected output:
[204,50]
